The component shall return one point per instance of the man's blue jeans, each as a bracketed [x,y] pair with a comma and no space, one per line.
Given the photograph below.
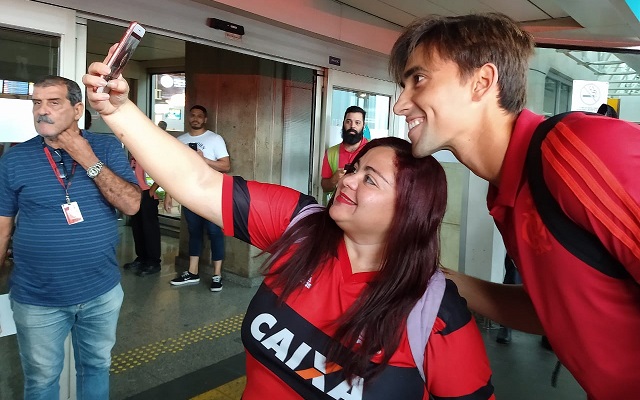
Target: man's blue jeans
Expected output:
[195,224]
[41,335]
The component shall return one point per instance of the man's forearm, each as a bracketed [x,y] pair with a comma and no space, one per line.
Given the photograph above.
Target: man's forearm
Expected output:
[221,165]
[508,305]
[121,194]
[152,189]
[6,227]
[327,185]
[4,246]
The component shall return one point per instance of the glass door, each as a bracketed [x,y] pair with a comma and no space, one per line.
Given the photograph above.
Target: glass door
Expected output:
[375,96]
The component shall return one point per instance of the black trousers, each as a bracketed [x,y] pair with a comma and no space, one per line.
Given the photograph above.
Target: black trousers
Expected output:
[146,230]
[511,275]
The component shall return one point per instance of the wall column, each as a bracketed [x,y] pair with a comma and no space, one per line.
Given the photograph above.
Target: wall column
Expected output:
[481,247]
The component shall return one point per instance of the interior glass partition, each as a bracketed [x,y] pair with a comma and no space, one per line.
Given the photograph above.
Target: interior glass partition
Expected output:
[167,100]
[25,57]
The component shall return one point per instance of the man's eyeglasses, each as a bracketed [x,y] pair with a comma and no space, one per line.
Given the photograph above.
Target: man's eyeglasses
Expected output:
[57,158]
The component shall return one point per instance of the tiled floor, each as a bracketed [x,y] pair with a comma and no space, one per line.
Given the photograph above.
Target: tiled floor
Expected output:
[184,343]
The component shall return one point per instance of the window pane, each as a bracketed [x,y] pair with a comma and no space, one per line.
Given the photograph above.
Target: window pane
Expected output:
[167,104]
[25,57]
[549,105]
[167,100]
[564,99]
[375,105]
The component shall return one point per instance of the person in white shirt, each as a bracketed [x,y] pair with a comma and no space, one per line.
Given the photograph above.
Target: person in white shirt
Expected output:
[212,148]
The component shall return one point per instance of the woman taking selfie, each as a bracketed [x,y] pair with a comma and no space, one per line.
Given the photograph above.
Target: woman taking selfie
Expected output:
[330,319]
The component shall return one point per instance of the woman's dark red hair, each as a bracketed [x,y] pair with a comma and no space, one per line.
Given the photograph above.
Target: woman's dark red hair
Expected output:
[411,257]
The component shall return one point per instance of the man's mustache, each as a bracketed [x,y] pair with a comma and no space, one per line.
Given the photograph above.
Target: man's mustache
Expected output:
[351,130]
[44,118]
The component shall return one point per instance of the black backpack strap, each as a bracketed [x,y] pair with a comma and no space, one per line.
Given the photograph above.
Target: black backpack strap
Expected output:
[583,244]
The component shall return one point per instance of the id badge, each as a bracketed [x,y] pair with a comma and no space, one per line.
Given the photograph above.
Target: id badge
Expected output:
[72,212]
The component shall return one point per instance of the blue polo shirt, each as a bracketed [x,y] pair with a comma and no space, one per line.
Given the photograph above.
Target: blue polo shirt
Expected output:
[57,264]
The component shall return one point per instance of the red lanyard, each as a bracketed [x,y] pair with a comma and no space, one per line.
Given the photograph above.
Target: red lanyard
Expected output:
[67,180]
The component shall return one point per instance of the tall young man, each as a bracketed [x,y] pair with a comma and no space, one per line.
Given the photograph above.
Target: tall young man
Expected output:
[464,89]
[212,148]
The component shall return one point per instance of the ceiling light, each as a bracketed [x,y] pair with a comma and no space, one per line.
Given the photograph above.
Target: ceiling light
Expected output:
[166,81]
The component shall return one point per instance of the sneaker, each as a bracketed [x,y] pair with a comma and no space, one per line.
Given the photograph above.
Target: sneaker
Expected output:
[133,265]
[186,278]
[216,283]
[148,269]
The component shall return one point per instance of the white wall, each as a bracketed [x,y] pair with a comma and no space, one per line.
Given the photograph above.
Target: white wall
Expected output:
[630,108]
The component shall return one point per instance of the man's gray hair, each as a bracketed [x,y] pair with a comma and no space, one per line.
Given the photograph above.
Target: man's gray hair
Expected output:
[74,94]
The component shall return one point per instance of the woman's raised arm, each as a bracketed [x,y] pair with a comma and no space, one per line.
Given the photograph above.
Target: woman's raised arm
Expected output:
[177,168]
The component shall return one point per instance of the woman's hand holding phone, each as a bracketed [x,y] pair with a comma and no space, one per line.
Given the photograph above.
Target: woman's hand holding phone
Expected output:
[105,103]
[117,58]
[106,77]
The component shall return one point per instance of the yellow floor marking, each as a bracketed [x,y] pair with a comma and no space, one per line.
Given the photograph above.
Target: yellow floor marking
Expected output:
[147,353]
[229,391]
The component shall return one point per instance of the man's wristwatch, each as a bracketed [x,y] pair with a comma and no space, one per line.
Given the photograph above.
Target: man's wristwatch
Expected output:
[94,170]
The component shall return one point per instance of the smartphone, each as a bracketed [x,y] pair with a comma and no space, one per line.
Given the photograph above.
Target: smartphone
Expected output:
[349,168]
[194,146]
[123,52]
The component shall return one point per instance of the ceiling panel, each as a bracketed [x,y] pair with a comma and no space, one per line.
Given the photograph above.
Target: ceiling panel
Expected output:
[417,8]
[521,10]
[550,7]
[591,13]
[384,10]
[600,23]
[460,7]
[587,23]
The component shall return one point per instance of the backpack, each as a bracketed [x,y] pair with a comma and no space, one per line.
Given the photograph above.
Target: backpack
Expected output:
[583,244]
[423,314]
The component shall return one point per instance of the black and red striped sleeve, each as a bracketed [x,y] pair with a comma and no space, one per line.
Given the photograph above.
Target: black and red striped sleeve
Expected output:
[591,164]
[457,364]
[258,213]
